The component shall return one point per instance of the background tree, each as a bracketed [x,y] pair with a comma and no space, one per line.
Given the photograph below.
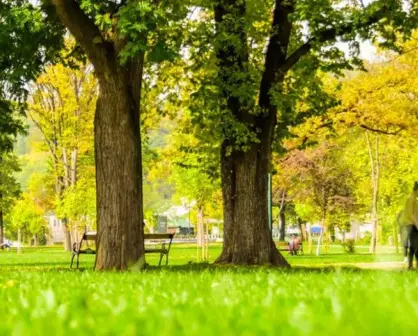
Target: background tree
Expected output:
[323,180]
[62,107]
[27,216]
[9,188]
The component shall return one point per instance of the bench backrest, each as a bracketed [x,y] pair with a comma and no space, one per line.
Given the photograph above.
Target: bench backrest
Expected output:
[158,236]
[89,235]
[93,236]
[282,243]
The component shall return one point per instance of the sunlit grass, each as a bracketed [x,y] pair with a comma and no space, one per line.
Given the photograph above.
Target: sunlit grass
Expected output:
[39,295]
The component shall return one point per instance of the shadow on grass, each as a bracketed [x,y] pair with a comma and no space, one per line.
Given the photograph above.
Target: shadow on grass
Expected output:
[195,268]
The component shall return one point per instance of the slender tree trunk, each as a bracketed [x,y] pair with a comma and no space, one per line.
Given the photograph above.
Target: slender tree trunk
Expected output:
[375,177]
[120,243]
[200,228]
[67,235]
[395,237]
[1,226]
[302,229]
[247,237]
[310,243]
[282,217]
[66,167]
[282,230]
[59,189]
[73,167]
[322,234]
[206,241]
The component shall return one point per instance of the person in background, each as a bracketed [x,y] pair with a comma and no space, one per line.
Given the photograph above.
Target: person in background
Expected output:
[409,221]
[294,245]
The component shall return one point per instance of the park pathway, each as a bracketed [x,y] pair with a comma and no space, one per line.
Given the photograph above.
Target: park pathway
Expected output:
[378,265]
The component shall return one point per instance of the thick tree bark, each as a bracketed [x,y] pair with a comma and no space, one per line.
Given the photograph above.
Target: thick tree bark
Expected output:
[120,242]
[247,238]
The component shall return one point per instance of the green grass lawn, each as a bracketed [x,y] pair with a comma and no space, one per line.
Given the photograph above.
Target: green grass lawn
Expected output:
[318,296]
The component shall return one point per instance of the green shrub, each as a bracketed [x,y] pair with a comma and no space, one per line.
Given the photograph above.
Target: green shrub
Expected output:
[366,239]
[349,246]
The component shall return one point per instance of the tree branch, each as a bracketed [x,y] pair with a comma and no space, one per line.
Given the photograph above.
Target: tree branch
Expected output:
[275,56]
[47,140]
[85,32]
[401,54]
[329,35]
[382,131]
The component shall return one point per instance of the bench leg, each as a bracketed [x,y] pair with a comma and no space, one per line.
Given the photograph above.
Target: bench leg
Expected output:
[161,258]
[78,260]
[72,259]
[166,259]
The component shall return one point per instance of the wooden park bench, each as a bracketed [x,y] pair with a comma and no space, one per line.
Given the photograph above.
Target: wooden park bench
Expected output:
[5,246]
[284,246]
[77,247]
[153,238]
[156,239]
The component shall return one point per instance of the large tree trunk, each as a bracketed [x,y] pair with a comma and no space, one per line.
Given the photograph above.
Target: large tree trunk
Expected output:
[247,237]
[120,243]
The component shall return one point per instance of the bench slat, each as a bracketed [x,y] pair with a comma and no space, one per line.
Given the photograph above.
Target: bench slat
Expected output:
[158,236]
[90,236]
[156,251]
[93,236]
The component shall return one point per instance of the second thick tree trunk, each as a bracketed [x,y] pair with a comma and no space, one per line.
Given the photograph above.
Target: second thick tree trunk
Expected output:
[247,237]
[120,243]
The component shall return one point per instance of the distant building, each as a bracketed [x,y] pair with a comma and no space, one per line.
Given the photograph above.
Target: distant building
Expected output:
[177,220]
[56,229]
